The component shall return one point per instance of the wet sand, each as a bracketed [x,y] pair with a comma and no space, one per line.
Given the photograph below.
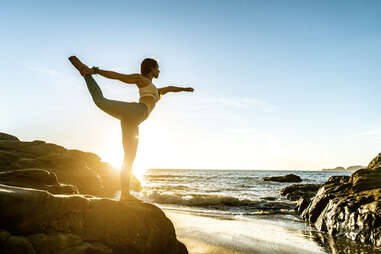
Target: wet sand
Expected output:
[216,234]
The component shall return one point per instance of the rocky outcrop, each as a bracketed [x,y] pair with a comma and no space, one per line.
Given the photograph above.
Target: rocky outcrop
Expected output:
[350,206]
[295,191]
[84,170]
[376,162]
[35,221]
[5,136]
[36,179]
[40,215]
[286,178]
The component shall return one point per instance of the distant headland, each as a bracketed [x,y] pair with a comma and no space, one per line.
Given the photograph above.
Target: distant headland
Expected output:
[350,168]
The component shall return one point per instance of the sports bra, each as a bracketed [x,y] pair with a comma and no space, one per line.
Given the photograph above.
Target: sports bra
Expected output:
[149,90]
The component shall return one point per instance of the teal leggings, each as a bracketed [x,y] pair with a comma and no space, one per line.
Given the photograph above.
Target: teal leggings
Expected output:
[130,114]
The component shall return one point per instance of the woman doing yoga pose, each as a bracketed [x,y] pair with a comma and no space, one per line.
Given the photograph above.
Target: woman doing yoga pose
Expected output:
[130,114]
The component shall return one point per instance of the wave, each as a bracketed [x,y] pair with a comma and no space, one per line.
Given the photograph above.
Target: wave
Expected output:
[179,187]
[173,178]
[218,201]
[167,187]
[153,176]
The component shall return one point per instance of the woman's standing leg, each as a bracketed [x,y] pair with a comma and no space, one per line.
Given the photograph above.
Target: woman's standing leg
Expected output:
[130,136]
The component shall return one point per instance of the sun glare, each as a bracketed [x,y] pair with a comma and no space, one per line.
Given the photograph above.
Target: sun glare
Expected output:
[113,153]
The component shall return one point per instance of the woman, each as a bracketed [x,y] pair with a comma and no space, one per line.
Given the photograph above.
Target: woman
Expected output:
[131,114]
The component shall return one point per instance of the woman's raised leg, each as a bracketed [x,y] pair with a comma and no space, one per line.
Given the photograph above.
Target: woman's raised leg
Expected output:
[134,112]
[129,110]
[113,108]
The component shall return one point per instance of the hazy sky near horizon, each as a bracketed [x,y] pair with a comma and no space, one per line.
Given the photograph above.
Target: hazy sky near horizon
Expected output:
[278,84]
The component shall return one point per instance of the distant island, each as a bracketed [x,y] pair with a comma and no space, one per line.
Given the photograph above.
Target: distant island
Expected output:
[350,168]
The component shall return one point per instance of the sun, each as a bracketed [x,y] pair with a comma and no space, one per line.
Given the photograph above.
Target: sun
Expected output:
[139,173]
[112,152]
[117,161]
[154,143]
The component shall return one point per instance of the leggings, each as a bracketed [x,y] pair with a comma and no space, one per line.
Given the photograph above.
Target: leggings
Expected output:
[130,114]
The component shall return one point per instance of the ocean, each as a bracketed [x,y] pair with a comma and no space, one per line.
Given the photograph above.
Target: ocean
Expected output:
[235,211]
[233,192]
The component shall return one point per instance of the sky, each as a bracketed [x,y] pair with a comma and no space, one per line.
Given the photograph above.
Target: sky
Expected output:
[279,85]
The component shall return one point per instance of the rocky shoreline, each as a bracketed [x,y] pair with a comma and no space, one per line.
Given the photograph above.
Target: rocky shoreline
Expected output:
[347,206]
[53,200]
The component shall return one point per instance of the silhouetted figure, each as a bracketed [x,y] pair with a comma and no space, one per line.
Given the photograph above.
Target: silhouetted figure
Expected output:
[131,114]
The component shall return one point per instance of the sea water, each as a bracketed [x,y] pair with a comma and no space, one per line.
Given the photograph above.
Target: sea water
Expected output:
[238,192]
[238,211]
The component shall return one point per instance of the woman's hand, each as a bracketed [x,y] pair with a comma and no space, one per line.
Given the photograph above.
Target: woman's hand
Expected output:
[95,69]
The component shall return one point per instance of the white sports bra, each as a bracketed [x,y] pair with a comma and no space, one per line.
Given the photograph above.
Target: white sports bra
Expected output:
[149,90]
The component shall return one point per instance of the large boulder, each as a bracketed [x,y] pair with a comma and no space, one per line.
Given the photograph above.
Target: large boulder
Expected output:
[82,169]
[350,206]
[286,178]
[35,221]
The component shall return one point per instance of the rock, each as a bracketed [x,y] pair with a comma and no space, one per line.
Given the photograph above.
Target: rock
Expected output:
[29,163]
[376,162]
[57,243]
[7,158]
[366,179]
[340,244]
[269,198]
[286,178]
[73,167]
[302,204]
[65,243]
[86,248]
[3,237]
[338,179]
[18,245]
[37,179]
[79,224]
[295,191]
[5,136]
[29,176]
[350,206]
[61,188]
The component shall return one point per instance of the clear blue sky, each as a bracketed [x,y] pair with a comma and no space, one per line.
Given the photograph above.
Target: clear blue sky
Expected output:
[278,84]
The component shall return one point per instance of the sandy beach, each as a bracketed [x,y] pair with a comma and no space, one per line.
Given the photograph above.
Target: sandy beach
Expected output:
[214,234]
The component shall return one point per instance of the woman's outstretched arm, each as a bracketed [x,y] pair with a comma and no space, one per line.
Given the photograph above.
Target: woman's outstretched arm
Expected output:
[126,78]
[174,89]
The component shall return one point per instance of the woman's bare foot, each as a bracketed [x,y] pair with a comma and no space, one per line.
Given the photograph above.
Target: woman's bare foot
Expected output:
[81,67]
[129,197]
